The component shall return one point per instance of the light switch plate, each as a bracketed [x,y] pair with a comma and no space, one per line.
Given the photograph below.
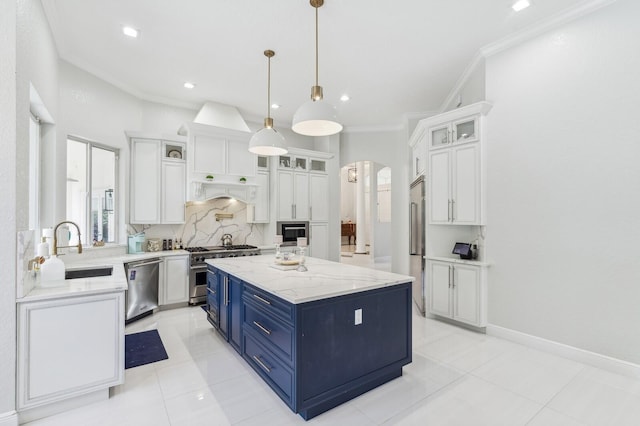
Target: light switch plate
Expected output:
[358,317]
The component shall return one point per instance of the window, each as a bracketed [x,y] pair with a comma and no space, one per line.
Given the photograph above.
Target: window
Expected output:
[34,174]
[92,191]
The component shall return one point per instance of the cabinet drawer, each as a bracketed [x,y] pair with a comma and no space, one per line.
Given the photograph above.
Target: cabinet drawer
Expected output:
[272,370]
[273,333]
[212,313]
[269,302]
[212,295]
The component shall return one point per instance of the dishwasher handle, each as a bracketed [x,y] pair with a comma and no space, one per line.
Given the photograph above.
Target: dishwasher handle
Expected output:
[137,265]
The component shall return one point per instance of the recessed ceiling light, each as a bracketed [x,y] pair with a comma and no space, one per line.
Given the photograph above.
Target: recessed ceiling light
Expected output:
[188,85]
[344,98]
[275,106]
[521,4]
[130,31]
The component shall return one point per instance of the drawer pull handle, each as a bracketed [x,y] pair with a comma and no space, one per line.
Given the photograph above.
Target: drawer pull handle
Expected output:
[262,299]
[210,291]
[262,364]
[261,327]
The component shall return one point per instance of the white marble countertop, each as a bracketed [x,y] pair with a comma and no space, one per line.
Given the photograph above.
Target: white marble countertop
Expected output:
[95,285]
[458,260]
[323,279]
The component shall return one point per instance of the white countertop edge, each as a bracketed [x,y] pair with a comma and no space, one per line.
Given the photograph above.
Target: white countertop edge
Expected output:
[88,286]
[280,284]
[461,261]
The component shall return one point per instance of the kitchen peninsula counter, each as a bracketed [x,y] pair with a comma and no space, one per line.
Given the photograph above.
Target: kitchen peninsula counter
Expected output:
[323,279]
[318,338]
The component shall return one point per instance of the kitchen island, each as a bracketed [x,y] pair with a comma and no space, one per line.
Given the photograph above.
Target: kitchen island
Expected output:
[318,338]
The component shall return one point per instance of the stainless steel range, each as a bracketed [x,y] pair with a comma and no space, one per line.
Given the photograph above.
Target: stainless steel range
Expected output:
[198,267]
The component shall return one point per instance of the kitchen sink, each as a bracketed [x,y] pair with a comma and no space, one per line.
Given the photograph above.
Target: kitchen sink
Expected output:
[88,272]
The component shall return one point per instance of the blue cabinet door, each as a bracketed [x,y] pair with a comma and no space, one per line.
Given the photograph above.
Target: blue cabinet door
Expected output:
[223,304]
[235,312]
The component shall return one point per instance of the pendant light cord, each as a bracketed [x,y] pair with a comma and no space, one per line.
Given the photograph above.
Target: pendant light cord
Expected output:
[316,45]
[269,88]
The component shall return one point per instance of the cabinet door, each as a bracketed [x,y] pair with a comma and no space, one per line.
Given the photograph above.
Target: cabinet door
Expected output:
[240,162]
[440,136]
[319,194]
[69,347]
[258,211]
[301,196]
[319,240]
[209,154]
[465,193]
[235,313]
[419,156]
[465,130]
[223,300]
[440,187]
[175,286]
[173,192]
[145,181]
[466,286]
[285,195]
[440,288]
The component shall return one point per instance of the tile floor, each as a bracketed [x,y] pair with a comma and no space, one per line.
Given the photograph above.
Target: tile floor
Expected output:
[457,377]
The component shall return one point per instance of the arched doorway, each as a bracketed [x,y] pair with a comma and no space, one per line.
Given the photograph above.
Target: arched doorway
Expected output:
[365,215]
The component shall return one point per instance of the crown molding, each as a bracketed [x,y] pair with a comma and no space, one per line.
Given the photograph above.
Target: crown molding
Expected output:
[519,37]
[543,26]
[374,129]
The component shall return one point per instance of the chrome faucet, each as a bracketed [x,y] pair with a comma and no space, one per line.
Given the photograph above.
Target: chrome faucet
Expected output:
[55,238]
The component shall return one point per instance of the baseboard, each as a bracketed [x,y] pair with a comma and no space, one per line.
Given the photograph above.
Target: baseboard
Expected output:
[576,354]
[9,419]
[35,413]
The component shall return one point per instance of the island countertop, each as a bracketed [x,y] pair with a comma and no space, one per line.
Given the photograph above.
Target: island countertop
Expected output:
[324,279]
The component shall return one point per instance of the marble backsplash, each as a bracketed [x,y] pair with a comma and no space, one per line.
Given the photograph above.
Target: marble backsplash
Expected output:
[202,229]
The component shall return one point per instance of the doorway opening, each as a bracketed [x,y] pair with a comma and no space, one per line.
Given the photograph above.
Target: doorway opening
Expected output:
[365,215]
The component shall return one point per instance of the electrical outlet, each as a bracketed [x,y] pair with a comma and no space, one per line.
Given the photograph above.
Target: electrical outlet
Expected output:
[358,317]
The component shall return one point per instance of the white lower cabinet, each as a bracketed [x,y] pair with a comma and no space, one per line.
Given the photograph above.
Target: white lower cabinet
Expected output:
[319,240]
[174,280]
[67,348]
[458,291]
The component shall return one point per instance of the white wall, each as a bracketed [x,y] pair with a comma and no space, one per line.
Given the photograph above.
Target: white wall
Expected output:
[388,148]
[564,184]
[8,186]
[96,110]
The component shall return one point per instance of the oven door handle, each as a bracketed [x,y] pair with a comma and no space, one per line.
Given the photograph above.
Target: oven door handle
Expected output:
[193,268]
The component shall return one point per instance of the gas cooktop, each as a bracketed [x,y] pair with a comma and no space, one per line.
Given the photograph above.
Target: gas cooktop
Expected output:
[200,254]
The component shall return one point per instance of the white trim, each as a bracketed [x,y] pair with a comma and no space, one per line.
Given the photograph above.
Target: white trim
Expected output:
[478,58]
[9,418]
[576,354]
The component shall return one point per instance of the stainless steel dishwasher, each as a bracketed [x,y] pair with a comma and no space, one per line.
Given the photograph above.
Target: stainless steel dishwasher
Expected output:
[142,295]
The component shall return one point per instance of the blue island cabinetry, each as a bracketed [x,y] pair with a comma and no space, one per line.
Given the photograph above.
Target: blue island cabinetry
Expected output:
[318,354]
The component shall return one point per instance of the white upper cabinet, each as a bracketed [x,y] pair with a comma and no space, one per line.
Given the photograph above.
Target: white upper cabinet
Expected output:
[145,183]
[258,209]
[240,162]
[455,167]
[157,186]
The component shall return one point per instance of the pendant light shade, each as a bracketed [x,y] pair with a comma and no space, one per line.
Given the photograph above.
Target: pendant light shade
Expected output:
[267,141]
[316,117]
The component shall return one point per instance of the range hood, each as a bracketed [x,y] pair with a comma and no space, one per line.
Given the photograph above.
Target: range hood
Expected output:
[218,115]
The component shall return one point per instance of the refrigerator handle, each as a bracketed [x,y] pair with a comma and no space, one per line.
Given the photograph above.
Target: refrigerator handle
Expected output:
[412,240]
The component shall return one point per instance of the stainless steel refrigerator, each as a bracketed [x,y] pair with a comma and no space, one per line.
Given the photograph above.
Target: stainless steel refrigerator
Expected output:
[417,241]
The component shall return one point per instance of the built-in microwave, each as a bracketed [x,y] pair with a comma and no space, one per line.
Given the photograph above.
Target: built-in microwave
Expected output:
[291,231]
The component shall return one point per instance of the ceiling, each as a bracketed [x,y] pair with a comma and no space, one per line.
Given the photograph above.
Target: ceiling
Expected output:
[392,57]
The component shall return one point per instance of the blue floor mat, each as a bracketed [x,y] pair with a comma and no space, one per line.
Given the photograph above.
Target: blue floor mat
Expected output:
[143,348]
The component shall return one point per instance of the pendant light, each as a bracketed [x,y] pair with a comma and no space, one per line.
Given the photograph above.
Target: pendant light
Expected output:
[316,117]
[267,141]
